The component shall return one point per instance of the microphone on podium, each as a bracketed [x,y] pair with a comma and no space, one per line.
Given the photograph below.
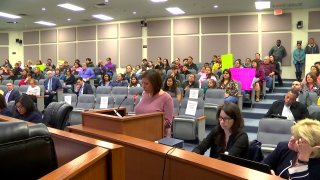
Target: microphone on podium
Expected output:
[116,110]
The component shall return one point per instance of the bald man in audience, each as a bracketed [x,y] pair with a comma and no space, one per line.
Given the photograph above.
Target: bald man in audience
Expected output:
[304,96]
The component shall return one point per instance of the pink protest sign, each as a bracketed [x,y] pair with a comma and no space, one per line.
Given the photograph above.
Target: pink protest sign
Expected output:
[243,75]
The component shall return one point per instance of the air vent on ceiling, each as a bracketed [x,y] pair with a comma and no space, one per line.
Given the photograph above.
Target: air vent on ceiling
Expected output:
[104,4]
[287,5]
[22,14]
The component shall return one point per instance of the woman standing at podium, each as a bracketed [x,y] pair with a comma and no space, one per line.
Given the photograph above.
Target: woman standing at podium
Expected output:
[228,136]
[154,99]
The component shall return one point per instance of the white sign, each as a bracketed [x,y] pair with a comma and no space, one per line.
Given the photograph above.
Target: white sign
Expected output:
[104,102]
[194,93]
[67,99]
[191,108]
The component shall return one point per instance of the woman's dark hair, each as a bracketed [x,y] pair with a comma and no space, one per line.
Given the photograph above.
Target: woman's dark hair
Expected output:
[79,65]
[314,78]
[137,81]
[233,111]
[104,76]
[229,72]
[155,79]
[256,61]
[68,69]
[174,85]
[3,103]
[26,102]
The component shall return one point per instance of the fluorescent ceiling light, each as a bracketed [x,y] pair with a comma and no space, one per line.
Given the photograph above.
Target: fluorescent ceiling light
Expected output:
[45,23]
[158,1]
[262,5]
[11,16]
[175,10]
[103,17]
[71,7]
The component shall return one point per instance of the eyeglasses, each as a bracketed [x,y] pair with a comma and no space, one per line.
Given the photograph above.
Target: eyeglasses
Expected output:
[224,118]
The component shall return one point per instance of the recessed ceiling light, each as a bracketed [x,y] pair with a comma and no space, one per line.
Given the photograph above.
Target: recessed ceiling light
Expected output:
[43,9]
[175,10]
[71,7]
[7,15]
[262,5]
[134,13]
[103,17]
[215,6]
[158,1]
[69,19]
[45,23]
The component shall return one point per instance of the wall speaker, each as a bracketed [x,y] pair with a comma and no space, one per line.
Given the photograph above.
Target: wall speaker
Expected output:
[299,24]
[17,40]
[20,42]
[143,23]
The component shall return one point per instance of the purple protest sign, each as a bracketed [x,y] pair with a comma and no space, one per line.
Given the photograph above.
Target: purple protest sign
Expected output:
[243,75]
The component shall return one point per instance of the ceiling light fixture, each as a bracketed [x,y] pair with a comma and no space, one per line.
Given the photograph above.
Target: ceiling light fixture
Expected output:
[43,9]
[10,16]
[262,5]
[68,19]
[158,1]
[175,10]
[215,6]
[71,7]
[103,17]
[45,23]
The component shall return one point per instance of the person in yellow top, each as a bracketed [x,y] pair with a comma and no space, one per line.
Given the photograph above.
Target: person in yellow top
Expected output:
[216,65]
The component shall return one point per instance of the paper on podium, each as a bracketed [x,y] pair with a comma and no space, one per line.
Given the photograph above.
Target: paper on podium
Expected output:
[67,99]
[104,102]
[191,107]
[194,93]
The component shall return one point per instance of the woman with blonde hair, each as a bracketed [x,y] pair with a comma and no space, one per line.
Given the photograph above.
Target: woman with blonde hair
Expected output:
[300,157]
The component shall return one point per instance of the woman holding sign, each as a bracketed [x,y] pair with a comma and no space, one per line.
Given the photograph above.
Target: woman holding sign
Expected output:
[230,87]
[259,78]
[228,136]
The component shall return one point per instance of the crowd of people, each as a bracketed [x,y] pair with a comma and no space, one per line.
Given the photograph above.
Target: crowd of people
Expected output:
[162,81]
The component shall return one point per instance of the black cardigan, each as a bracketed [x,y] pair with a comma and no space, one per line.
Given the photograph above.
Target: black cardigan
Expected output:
[238,145]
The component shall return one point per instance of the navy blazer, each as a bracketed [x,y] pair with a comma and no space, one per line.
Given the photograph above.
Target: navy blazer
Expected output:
[13,95]
[34,117]
[55,84]
[87,89]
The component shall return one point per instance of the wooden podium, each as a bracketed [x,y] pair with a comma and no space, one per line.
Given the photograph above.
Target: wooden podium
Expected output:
[144,126]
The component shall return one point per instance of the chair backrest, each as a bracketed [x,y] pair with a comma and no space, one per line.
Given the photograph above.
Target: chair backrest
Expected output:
[42,90]
[176,106]
[41,81]
[17,140]
[86,101]
[214,96]
[135,91]
[56,114]
[187,93]
[4,82]
[204,84]
[313,108]
[3,87]
[70,99]
[119,90]
[98,102]
[271,131]
[5,76]
[199,110]
[127,102]
[23,88]
[103,90]
[16,82]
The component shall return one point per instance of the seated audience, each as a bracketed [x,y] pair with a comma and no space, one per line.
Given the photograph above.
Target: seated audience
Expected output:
[111,68]
[170,86]
[17,69]
[86,73]
[37,74]
[311,84]
[314,69]
[228,136]
[26,80]
[212,84]
[105,80]
[12,76]
[259,78]
[82,87]
[192,65]
[288,107]
[11,94]
[7,63]
[119,81]
[190,83]
[33,90]
[185,71]
[269,71]
[51,85]
[277,69]
[230,87]
[89,63]
[40,65]
[58,74]
[129,73]
[69,80]
[3,107]
[26,110]
[165,65]
[134,82]
[300,157]
[76,68]
[238,64]
[247,63]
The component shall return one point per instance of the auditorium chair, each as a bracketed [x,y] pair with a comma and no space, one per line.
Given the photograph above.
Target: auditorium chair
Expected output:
[56,115]
[213,98]
[187,126]
[85,102]
[97,105]
[26,152]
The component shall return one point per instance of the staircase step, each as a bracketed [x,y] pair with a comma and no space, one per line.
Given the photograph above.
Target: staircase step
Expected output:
[281,90]
[251,125]
[254,113]
[275,96]
[264,103]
